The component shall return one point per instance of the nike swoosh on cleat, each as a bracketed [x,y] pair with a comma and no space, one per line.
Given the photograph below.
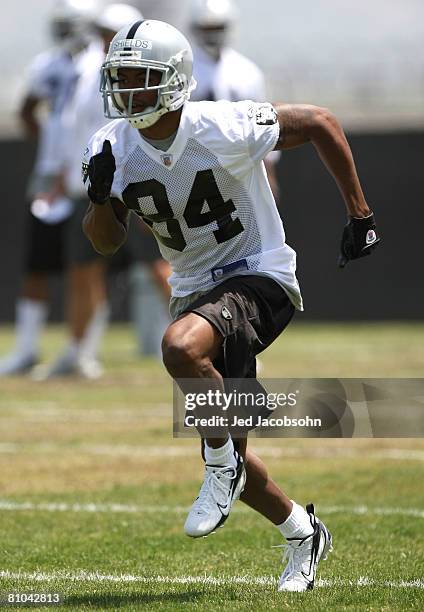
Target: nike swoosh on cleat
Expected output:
[234,484]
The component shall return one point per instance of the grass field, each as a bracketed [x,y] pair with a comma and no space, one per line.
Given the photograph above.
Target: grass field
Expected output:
[94,490]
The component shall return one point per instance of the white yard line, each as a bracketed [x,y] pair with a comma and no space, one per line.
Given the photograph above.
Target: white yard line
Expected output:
[39,413]
[273,452]
[9,505]
[82,576]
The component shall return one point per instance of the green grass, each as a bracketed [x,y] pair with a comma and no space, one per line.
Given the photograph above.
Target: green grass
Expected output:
[77,442]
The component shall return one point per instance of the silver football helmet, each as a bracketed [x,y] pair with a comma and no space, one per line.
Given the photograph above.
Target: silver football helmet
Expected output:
[153,46]
[71,23]
[211,21]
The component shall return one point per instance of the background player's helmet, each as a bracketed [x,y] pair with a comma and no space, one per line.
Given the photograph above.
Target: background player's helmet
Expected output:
[153,46]
[211,21]
[115,16]
[71,23]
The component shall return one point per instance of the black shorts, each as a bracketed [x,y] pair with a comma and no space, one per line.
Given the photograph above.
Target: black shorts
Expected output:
[52,248]
[250,312]
[44,246]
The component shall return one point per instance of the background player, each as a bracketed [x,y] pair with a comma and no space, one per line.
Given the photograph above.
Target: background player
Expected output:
[88,310]
[194,172]
[221,72]
[52,80]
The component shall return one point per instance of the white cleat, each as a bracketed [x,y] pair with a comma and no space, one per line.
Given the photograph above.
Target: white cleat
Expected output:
[222,486]
[303,556]
[16,363]
[66,366]
[89,368]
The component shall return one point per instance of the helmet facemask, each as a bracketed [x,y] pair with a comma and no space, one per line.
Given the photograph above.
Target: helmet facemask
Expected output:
[172,90]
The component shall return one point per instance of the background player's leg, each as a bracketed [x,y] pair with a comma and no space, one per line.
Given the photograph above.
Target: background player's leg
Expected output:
[89,317]
[87,310]
[86,293]
[31,314]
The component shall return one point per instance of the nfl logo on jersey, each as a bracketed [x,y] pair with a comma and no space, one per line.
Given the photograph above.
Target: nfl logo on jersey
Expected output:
[167,159]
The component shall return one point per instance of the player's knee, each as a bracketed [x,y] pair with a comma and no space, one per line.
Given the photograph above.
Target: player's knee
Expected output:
[180,355]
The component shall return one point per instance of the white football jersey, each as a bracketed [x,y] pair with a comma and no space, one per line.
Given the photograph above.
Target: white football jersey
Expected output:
[233,77]
[52,77]
[207,198]
[83,115]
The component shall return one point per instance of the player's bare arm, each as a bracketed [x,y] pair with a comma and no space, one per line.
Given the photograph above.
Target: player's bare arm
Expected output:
[28,117]
[302,123]
[106,226]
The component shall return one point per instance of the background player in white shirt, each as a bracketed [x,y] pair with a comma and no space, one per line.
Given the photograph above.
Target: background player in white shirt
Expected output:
[194,172]
[222,73]
[86,296]
[52,79]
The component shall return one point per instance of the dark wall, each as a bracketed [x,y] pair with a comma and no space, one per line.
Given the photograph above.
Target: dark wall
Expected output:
[387,285]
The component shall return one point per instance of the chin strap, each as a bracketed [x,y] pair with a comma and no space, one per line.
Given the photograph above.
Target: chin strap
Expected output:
[147,120]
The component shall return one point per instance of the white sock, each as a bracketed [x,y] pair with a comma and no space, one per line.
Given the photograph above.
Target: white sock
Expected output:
[224,455]
[297,524]
[71,351]
[90,343]
[30,318]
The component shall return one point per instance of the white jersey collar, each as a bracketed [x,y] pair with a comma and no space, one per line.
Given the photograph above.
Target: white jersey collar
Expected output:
[169,158]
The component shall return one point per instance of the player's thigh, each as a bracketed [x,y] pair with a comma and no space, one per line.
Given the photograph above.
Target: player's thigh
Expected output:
[249,311]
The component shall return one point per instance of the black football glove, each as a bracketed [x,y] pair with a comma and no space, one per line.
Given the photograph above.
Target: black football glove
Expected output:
[359,238]
[101,169]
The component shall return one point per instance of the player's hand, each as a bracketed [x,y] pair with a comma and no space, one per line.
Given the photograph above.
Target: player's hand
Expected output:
[101,169]
[359,238]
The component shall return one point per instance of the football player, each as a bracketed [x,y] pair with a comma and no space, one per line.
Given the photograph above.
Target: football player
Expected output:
[51,83]
[194,172]
[221,73]
[87,296]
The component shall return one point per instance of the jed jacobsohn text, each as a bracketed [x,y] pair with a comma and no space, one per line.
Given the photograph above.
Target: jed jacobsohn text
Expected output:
[251,421]
[223,400]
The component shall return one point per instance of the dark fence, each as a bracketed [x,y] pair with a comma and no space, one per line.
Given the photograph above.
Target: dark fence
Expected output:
[387,285]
